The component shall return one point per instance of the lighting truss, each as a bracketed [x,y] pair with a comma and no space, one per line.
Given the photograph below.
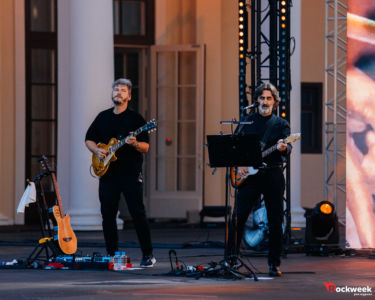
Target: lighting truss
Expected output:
[335,105]
[269,58]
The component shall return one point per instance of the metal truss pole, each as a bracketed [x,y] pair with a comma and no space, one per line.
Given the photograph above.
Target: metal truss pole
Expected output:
[335,105]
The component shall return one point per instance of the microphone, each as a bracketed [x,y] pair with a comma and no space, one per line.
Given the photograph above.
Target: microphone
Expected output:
[255,104]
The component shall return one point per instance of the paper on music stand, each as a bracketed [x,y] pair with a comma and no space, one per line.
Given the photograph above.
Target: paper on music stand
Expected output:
[29,196]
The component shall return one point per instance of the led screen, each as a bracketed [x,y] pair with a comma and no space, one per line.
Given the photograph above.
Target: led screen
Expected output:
[360,134]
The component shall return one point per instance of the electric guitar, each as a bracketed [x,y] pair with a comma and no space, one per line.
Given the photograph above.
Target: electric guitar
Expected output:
[65,238]
[237,180]
[101,165]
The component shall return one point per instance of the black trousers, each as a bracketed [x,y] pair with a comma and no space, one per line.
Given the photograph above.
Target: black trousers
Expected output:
[110,190]
[271,184]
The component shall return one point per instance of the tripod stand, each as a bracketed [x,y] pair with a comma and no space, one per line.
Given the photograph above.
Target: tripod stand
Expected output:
[232,151]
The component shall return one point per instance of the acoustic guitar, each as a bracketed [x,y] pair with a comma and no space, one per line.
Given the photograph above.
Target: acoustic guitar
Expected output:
[65,238]
[100,165]
[237,180]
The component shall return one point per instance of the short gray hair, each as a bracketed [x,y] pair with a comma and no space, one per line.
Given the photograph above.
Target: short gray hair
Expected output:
[122,81]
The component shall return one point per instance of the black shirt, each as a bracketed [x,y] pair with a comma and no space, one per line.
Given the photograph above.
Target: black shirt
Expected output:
[280,130]
[109,125]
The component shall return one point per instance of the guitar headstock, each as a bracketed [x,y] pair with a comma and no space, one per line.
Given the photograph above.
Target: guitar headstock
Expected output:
[292,138]
[45,163]
[150,126]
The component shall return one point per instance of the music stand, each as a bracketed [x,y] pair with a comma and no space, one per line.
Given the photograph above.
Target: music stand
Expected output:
[233,151]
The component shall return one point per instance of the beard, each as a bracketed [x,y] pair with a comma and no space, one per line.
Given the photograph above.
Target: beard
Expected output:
[117,100]
[264,110]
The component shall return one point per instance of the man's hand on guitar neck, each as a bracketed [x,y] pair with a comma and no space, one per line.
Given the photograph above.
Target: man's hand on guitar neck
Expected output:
[132,141]
[281,146]
[139,146]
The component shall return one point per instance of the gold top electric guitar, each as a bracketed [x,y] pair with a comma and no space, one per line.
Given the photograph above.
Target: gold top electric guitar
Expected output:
[100,165]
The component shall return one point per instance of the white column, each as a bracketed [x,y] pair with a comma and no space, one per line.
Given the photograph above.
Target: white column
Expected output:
[85,75]
[20,104]
[297,212]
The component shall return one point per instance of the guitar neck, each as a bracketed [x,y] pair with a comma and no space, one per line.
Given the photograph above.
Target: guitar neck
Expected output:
[292,138]
[269,151]
[57,194]
[122,142]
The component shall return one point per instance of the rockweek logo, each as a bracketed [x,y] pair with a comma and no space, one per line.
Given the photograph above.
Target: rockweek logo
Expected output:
[355,290]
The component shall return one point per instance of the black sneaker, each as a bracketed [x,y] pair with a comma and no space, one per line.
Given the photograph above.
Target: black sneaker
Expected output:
[148,261]
[275,271]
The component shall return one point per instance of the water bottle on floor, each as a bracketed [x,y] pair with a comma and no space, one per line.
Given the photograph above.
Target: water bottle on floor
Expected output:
[123,260]
[117,261]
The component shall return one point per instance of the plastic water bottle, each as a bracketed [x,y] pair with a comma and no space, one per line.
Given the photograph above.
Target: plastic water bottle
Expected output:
[123,260]
[117,261]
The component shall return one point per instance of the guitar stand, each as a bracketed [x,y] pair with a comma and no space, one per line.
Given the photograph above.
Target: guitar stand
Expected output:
[44,244]
[45,249]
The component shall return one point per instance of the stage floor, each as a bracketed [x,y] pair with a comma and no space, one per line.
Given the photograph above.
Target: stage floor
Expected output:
[303,276]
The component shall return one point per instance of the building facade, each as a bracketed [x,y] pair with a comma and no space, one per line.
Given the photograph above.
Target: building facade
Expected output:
[58,59]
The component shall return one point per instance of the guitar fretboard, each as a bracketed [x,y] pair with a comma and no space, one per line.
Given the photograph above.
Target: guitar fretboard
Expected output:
[269,150]
[289,139]
[123,141]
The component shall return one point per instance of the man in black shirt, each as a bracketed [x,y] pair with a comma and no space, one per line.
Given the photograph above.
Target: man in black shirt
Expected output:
[269,181]
[124,175]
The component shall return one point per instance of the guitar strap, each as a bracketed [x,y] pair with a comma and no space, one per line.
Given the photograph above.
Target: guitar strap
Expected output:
[267,133]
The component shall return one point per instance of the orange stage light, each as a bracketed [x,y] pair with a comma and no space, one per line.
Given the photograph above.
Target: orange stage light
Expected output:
[326,208]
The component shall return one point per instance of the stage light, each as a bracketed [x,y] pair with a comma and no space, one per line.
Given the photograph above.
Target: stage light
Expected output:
[283,3]
[282,25]
[241,33]
[241,26]
[241,19]
[283,10]
[241,11]
[283,18]
[326,208]
[241,41]
[283,114]
[321,228]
